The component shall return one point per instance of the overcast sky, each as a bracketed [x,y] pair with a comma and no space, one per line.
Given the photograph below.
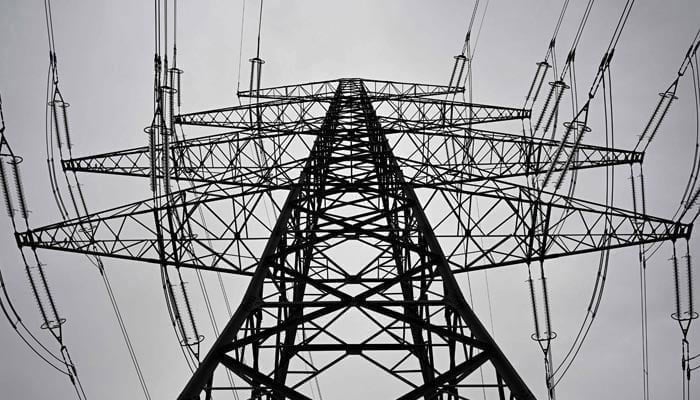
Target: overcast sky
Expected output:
[105,55]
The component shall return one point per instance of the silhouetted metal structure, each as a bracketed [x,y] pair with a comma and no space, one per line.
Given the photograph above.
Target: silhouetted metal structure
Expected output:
[352,205]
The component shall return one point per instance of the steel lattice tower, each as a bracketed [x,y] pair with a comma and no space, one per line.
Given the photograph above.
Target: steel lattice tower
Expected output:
[352,169]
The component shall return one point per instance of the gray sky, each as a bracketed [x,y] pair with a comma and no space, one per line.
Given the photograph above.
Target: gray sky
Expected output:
[105,63]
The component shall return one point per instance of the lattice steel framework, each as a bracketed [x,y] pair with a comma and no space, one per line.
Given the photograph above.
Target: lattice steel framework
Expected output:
[351,170]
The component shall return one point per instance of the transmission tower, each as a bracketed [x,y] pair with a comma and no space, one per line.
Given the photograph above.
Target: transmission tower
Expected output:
[322,192]
[352,206]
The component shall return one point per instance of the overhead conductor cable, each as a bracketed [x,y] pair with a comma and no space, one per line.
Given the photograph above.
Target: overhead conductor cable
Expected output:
[57,109]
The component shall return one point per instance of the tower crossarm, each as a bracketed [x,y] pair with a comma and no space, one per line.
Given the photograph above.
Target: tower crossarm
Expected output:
[423,113]
[458,156]
[228,244]
[503,224]
[231,158]
[280,115]
[128,231]
[512,228]
[299,115]
[376,89]
[434,159]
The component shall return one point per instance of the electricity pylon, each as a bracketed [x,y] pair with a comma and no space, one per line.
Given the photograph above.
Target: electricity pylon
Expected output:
[322,193]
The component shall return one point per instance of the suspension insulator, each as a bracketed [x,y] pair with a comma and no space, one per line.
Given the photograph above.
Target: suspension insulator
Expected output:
[169,101]
[184,316]
[537,81]
[559,87]
[683,284]
[256,74]
[533,302]
[545,295]
[152,156]
[59,116]
[66,130]
[42,295]
[6,190]
[643,196]
[457,71]
[557,155]
[165,153]
[579,129]
[19,187]
[659,113]
[676,281]
[175,80]
[693,200]
[541,316]
[179,87]
[551,104]
[689,268]
[56,125]
[545,107]
[634,192]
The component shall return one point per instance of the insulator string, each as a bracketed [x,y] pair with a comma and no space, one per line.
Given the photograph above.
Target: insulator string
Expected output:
[684,309]
[202,284]
[691,192]
[166,133]
[600,280]
[59,130]
[34,270]
[544,65]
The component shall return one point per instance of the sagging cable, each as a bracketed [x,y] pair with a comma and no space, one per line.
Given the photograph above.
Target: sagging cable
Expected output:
[604,260]
[34,268]
[638,199]
[668,96]
[544,65]
[691,192]
[464,58]
[5,300]
[58,131]
[550,109]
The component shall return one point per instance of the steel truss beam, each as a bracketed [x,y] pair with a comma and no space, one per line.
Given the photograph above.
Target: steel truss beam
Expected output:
[502,235]
[376,89]
[426,159]
[379,194]
[300,114]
